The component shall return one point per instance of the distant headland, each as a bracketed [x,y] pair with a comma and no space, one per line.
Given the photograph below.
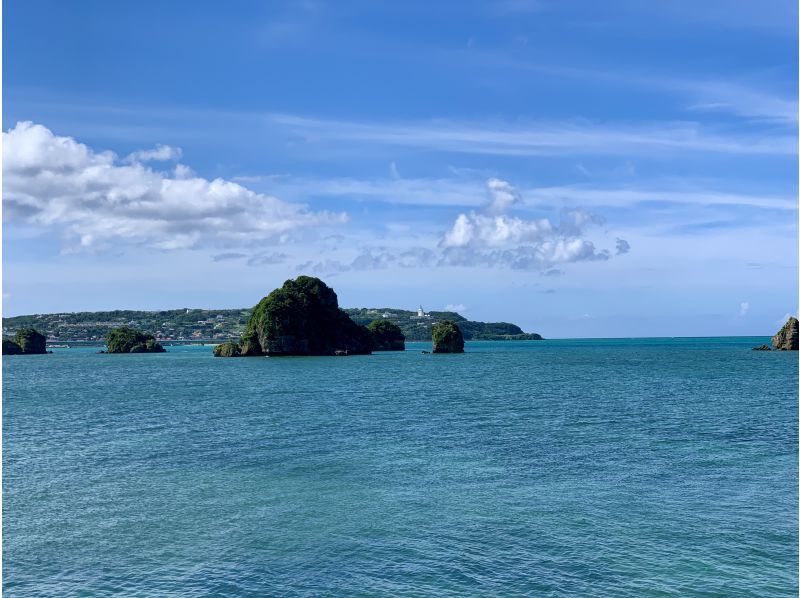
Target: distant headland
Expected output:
[221,325]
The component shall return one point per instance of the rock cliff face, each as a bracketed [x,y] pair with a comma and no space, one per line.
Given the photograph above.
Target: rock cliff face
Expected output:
[387,336]
[128,340]
[303,318]
[447,338]
[228,349]
[787,337]
[26,342]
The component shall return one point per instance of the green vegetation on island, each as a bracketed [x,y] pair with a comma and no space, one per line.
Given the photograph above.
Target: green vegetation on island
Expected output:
[302,318]
[166,325]
[387,336]
[220,325]
[447,338]
[128,340]
[227,349]
[26,341]
[417,325]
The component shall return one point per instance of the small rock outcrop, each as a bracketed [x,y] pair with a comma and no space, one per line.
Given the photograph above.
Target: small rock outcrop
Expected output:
[762,348]
[303,318]
[447,337]
[129,340]
[27,341]
[228,349]
[387,336]
[787,337]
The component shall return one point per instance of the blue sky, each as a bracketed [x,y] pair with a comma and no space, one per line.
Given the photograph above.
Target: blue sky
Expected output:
[583,169]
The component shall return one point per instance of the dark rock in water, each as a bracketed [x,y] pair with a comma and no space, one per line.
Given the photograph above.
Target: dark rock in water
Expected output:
[128,340]
[426,352]
[787,337]
[387,336]
[27,341]
[228,349]
[447,337]
[31,342]
[762,348]
[11,348]
[303,318]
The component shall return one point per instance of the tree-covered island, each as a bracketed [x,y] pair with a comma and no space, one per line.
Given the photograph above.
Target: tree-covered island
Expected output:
[128,340]
[300,318]
[26,341]
[447,338]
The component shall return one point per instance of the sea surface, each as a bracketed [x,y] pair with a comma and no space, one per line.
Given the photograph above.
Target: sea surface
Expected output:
[648,467]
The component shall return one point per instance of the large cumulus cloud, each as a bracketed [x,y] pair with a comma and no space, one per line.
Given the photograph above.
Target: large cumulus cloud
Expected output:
[98,200]
[492,237]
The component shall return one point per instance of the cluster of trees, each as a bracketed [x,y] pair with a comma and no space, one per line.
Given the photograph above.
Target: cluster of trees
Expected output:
[415,328]
[303,318]
[447,337]
[129,340]
[176,323]
[26,341]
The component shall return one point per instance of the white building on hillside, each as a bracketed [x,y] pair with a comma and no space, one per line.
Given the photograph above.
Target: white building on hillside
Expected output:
[421,314]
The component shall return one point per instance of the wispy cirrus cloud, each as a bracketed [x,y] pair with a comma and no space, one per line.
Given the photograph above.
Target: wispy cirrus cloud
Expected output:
[543,138]
[471,190]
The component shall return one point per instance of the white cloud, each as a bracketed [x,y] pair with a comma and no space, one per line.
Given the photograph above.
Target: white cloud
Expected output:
[501,239]
[744,307]
[486,238]
[98,201]
[456,307]
[476,229]
[161,153]
[502,195]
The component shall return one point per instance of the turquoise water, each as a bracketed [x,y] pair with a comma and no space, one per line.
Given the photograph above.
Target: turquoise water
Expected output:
[661,467]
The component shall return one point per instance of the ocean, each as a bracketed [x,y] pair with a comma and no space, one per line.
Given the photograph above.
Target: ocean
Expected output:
[625,467]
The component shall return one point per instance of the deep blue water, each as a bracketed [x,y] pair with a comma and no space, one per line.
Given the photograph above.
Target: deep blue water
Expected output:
[661,467]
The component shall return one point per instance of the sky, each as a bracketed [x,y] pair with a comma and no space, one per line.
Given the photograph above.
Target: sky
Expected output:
[582,169]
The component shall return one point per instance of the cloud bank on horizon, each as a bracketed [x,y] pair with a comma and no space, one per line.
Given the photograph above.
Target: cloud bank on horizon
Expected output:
[536,165]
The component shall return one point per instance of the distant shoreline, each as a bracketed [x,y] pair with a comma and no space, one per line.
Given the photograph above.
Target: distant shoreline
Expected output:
[213,342]
[195,326]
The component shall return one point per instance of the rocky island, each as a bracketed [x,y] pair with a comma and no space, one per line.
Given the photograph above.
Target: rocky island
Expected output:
[128,340]
[26,341]
[787,337]
[387,336]
[227,349]
[300,318]
[447,338]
